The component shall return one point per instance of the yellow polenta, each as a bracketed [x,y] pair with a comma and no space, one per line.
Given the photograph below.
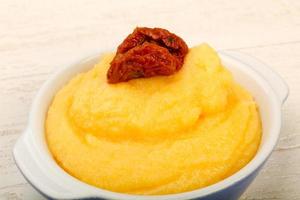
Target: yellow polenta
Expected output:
[157,135]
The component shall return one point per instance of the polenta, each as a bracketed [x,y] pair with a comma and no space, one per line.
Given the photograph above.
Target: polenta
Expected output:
[159,135]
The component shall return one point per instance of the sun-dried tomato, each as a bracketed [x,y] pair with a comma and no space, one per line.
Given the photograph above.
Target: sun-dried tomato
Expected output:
[147,52]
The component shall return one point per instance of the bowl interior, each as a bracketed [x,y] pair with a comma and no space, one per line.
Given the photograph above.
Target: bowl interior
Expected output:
[259,88]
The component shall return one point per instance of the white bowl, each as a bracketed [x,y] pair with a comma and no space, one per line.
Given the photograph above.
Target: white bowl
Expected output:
[39,168]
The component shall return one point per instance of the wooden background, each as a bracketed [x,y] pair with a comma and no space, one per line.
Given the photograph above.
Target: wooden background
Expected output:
[39,37]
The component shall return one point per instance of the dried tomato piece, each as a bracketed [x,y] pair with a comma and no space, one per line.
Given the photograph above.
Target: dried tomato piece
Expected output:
[147,52]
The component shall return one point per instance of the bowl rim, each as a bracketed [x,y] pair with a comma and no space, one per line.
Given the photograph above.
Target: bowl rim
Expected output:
[247,170]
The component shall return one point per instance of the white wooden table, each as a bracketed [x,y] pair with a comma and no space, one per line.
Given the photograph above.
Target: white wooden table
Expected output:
[38,37]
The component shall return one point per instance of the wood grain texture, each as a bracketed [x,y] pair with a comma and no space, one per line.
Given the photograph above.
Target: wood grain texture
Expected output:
[38,37]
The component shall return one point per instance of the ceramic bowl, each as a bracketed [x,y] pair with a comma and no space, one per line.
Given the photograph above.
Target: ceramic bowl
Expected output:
[40,169]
